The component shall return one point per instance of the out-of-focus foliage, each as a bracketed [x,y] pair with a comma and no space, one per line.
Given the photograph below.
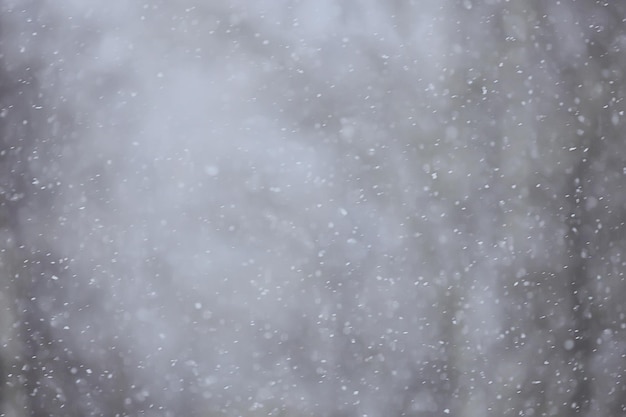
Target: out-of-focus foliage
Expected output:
[312,208]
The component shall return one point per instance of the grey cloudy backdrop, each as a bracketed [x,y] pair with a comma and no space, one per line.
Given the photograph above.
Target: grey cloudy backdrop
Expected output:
[312,208]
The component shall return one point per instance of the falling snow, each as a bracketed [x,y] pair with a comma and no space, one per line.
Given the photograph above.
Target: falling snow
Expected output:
[312,208]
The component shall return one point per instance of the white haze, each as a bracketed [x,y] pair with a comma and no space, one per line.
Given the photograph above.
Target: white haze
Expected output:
[318,207]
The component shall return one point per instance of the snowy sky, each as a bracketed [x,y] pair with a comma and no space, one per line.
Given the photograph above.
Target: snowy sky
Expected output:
[326,208]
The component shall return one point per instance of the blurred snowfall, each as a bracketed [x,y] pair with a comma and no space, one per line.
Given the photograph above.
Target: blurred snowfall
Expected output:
[312,208]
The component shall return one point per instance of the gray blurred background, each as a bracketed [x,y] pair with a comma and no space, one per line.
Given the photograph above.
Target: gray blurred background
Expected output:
[312,208]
